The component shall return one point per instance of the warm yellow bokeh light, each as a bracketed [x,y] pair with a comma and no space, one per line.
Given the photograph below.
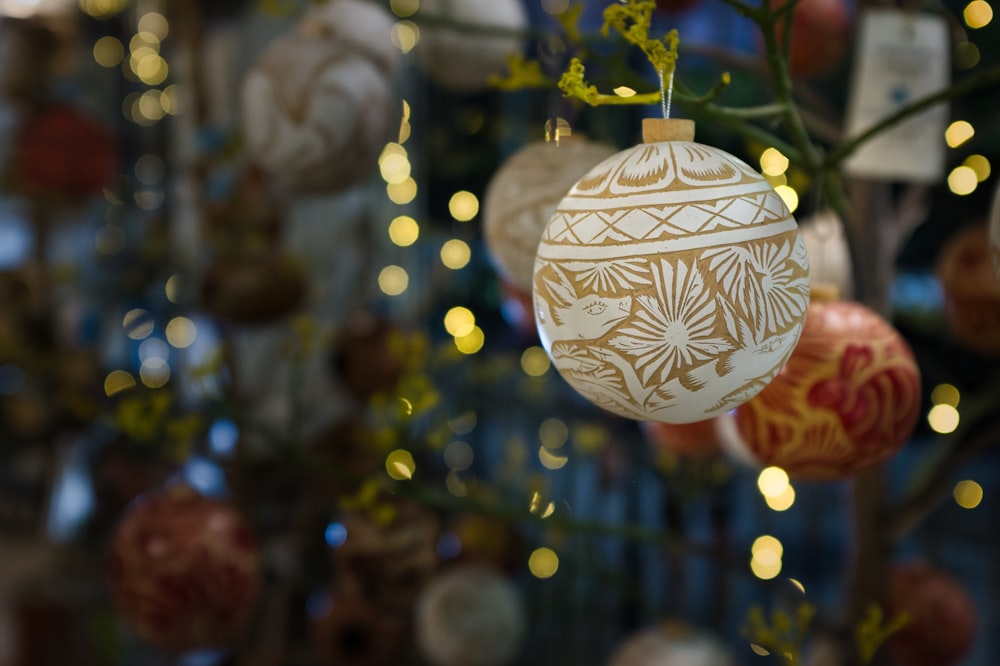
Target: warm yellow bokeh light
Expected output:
[118,381]
[958,133]
[459,321]
[402,193]
[551,460]
[181,332]
[393,280]
[968,494]
[624,91]
[463,205]
[456,254]
[405,35]
[154,23]
[555,7]
[404,231]
[394,167]
[102,8]
[798,585]
[773,163]
[980,164]
[553,433]
[967,55]
[978,14]
[962,180]
[943,419]
[172,288]
[154,372]
[458,455]
[772,481]
[543,563]
[168,100]
[399,465]
[765,570]
[945,394]
[767,548]
[471,342]
[535,362]
[789,196]
[782,502]
[138,324]
[404,8]
[108,52]
[760,650]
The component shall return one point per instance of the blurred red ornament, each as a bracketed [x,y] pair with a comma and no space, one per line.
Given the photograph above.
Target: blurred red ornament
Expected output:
[517,309]
[60,152]
[943,617]
[675,6]
[699,439]
[184,570]
[971,294]
[847,398]
[821,35]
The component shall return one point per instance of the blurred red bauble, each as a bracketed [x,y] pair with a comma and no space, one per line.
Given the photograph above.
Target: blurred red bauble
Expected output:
[184,570]
[822,31]
[847,398]
[517,309]
[943,618]
[675,6]
[971,294]
[62,153]
[699,439]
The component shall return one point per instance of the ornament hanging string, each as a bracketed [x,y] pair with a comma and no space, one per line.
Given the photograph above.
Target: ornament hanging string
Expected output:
[666,93]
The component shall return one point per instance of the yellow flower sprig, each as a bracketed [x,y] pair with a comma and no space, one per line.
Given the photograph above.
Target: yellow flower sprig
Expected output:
[521,74]
[573,84]
[874,630]
[783,634]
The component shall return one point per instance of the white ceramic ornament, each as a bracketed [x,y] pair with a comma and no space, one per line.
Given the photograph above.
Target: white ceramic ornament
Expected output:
[320,103]
[524,193]
[829,256]
[671,283]
[995,233]
[463,55]
[671,644]
[470,616]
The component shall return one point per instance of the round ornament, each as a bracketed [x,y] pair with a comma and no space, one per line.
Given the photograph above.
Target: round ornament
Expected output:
[699,439]
[354,631]
[971,294]
[470,616]
[995,234]
[523,195]
[821,37]
[671,644]
[671,282]
[184,570]
[462,54]
[319,103]
[63,153]
[943,617]
[829,256]
[848,397]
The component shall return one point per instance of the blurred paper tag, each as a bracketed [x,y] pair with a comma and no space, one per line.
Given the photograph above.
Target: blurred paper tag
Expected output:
[902,56]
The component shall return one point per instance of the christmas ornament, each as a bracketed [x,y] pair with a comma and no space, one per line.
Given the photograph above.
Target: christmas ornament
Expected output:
[184,570]
[995,233]
[971,294]
[253,287]
[698,439]
[671,644]
[675,6]
[354,631]
[318,104]
[524,193]
[848,397]
[470,616]
[249,219]
[390,552]
[821,37]
[459,46]
[62,153]
[367,355]
[829,256]
[671,282]
[943,617]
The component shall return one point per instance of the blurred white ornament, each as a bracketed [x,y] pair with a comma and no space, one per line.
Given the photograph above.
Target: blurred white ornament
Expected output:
[671,644]
[320,103]
[462,55]
[470,616]
[829,256]
[524,193]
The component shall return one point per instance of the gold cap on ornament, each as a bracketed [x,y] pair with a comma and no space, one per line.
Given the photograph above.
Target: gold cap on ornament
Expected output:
[655,130]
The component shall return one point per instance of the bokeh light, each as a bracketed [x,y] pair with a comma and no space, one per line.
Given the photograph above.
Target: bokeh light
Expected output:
[943,419]
[463,205]
[399,465]
[393,280]
[772,482]
[535,362]
[456,254]
[404,231]
[968,494]
[958,133]
[543,563]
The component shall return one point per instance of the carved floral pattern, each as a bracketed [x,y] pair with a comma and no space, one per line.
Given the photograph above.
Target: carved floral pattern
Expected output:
[671,283]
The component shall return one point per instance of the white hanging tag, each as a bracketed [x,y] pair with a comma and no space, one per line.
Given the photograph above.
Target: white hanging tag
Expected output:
[902,56]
